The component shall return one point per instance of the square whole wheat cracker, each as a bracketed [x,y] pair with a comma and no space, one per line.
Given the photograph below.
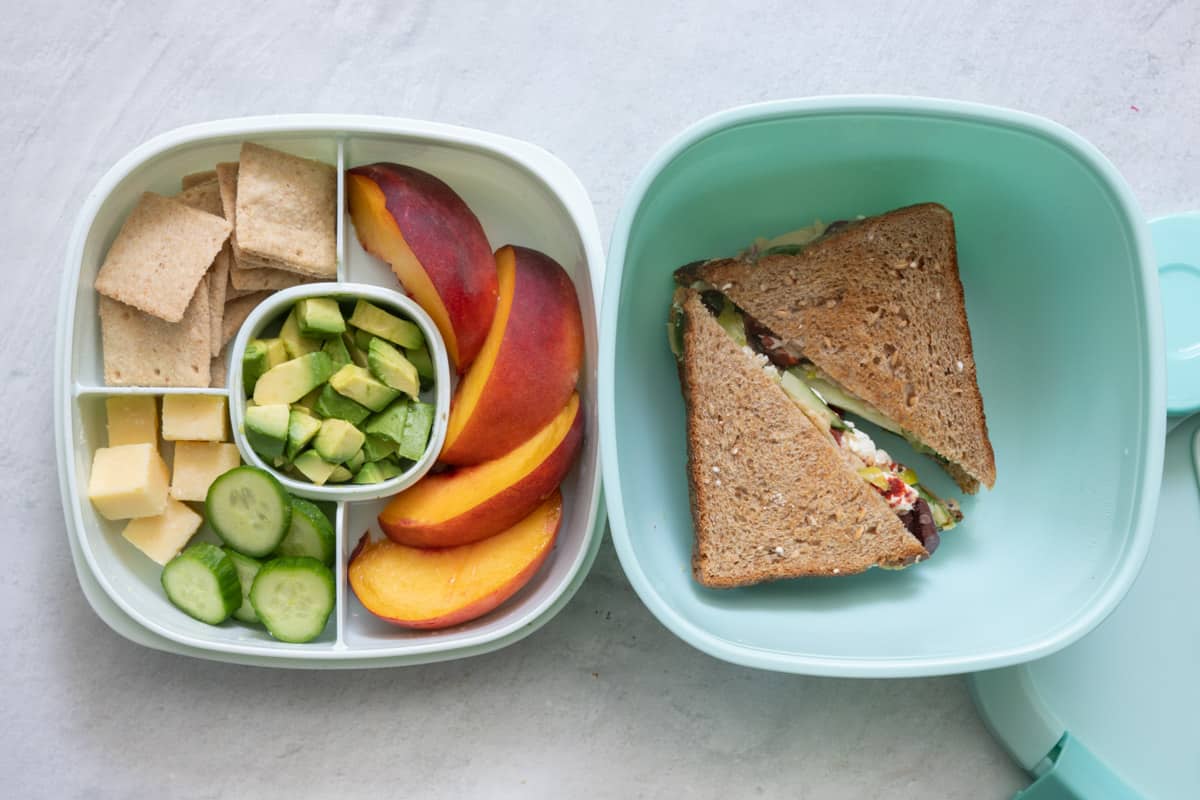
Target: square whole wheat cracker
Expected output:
[206,195]
[236,312]
[287,211]
[218,375]
[141,350]
[193,178]
[231,291]
[218,284]
[245,279]
[227,177]
[159,256]
[257,279]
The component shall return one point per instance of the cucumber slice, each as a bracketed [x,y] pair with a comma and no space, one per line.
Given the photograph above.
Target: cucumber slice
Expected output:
[731,320]
[249,510]
[310,534]
[294,598]
[247,568]
[203,583]
[809,402]
[835,395]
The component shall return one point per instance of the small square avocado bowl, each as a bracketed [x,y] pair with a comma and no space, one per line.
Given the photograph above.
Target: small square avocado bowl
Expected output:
[307,400]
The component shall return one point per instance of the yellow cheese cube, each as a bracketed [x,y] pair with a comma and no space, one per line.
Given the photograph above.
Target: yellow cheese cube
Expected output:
[163,536]
[197,465]
[132,419]
[194,418]
[128,481]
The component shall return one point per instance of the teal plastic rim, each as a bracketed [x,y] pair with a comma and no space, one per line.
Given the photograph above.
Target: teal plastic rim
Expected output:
[1177,247]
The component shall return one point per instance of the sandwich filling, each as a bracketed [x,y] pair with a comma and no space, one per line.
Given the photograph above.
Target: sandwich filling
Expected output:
[826,404]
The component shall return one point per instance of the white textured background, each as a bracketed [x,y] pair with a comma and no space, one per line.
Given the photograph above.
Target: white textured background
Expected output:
[602,702]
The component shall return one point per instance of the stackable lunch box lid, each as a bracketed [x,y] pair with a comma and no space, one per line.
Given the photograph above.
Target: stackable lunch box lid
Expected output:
[1063,303]
[1113,715]
[521,194]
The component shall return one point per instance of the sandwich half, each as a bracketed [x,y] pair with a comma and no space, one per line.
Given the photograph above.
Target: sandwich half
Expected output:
[870,315]
[781,486]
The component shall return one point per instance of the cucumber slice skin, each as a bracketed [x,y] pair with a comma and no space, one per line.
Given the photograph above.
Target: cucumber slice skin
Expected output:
[254,532]
[310,534]
[247,568]
[203,583]
[293,597]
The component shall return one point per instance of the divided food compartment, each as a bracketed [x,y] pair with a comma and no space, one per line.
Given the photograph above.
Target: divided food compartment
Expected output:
[521,195]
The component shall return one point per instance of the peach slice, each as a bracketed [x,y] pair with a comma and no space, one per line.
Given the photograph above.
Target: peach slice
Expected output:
[435,246]
[528,365]
[431,589]
[473,503]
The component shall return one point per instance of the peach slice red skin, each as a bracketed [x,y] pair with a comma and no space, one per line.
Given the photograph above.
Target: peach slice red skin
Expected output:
[536,365]
[447,239]
[496,513]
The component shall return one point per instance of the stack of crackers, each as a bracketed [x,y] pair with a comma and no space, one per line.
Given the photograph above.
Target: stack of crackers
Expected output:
[184,272]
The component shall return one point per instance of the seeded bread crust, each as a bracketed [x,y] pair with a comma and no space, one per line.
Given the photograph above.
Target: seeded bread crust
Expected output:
[771,496]
[879,307]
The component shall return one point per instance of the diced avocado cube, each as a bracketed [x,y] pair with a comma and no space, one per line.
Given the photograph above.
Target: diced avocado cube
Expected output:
[335,348]
[312,466]
[362,340]
[355,462]
[389,423]
[392,369]
[254,363]
[293,379]
[260,356]
[266,429]
[276,351]
[421,359]
[377,447]
[416,431]
[331,404]
[376,321]
[319,317]
[338,440]
[302,428]
[389,468]
[361,386]
[357,355]
[370,473]
[296,343]
[340,474]
[309,401]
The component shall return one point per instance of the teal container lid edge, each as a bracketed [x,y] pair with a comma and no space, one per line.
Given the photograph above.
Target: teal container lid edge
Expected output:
[1112,716]
[1074,773]
[1015,715]
[1176,239]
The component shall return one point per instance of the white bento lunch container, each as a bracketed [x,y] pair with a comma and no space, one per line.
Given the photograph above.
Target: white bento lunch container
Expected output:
[521,194]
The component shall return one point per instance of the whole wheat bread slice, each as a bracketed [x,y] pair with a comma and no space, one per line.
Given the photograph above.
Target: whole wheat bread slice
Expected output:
[878,306]
[772,496]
